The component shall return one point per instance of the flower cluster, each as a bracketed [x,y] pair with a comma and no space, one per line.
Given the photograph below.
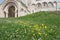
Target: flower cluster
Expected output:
[22,30]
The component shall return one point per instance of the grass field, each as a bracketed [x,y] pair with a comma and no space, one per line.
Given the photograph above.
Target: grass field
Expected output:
[36,26]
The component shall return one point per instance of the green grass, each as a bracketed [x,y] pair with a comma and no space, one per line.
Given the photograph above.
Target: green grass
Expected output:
[36,26]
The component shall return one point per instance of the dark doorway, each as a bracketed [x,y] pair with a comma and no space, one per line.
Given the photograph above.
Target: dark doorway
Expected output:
[11,11]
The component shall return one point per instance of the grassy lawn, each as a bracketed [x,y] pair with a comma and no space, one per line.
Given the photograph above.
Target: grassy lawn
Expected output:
[36,26]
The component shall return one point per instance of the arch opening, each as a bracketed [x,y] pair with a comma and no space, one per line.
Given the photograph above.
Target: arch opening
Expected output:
[7,8]
[50,4]
[11,11]
[39,4]
[45,4]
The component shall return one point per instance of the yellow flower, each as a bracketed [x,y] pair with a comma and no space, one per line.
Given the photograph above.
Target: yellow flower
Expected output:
[43,24]
[39,33]
[44,27]
[36,25]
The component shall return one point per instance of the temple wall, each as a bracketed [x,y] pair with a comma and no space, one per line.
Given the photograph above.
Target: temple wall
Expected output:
[34,6]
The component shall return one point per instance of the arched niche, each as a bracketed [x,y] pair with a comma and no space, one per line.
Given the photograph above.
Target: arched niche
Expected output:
[11,11]
[50,4]
[44,4]
[7,6]
[39,5]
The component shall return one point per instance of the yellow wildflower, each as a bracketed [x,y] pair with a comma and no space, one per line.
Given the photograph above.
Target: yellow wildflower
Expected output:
[39,33]
[43,24]
[44,27]
[36,25]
